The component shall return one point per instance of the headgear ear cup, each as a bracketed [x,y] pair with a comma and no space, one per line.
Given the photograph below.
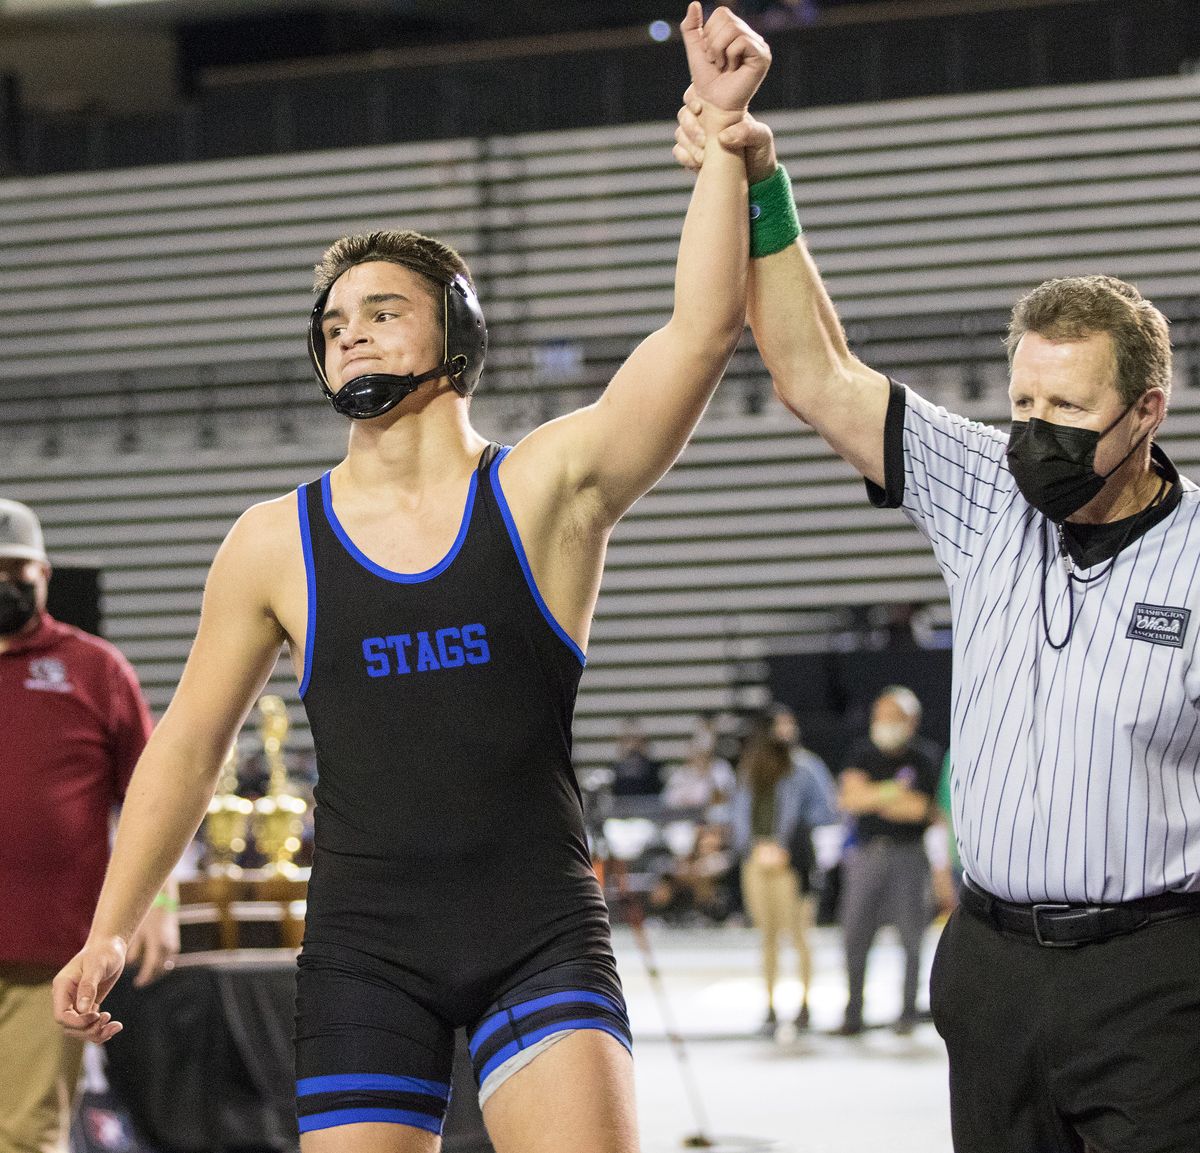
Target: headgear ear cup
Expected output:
[316,339]
[466,334]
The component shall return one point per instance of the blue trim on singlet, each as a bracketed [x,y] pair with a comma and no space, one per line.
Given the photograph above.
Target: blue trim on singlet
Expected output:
[388,574]
[514,1047]
[504,1016]
[355,1116]
[348,1082]
[310,577]
[519,549]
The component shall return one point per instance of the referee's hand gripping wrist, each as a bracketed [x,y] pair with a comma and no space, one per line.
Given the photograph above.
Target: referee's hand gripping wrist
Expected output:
[741,133]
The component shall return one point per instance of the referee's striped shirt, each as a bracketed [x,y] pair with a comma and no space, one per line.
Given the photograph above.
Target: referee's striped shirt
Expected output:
[1075,773]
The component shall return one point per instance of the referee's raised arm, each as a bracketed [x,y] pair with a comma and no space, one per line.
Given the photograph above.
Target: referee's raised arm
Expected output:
[794,322]
[1070,544]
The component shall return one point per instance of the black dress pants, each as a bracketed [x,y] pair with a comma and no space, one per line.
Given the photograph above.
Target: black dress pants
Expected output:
[1054,1050]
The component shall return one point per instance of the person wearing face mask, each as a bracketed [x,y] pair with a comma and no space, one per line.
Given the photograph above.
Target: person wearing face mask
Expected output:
[1065,984]
[73,722]
[887,788]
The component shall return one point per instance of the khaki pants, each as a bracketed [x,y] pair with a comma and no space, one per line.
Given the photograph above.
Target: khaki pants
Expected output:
[39,1064]
[771,893]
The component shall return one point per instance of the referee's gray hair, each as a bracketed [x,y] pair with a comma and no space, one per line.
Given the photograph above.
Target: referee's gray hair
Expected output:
[1074,307]
[905,698]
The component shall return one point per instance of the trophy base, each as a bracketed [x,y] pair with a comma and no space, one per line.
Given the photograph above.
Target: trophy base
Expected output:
[260,908]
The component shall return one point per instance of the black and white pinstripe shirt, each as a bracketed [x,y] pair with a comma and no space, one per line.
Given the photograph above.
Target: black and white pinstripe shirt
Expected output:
[1076,772]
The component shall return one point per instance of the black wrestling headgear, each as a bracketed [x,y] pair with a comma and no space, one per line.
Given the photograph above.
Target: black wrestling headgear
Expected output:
[464,346]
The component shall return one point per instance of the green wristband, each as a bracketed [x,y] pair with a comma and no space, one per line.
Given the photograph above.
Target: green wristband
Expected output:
[773,220]
[166,901]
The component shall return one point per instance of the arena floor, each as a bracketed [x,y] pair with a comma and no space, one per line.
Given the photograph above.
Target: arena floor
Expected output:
[811,1093]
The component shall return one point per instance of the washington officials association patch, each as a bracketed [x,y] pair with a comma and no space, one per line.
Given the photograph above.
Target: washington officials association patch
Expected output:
[1159,624]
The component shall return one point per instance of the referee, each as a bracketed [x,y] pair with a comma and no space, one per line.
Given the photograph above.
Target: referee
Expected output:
[1067,986]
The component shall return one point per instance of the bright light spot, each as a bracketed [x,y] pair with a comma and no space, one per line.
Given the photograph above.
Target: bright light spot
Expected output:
[660,30]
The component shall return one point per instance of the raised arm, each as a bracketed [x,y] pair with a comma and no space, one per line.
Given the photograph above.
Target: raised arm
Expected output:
[235,650]
[615,449]
[794,322]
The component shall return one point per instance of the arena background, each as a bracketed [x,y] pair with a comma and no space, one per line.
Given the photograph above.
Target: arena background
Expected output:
[169,172]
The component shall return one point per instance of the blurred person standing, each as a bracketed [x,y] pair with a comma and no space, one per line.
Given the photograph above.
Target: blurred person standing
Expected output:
[73,723]
[635,772]
[888,787]
[783,792]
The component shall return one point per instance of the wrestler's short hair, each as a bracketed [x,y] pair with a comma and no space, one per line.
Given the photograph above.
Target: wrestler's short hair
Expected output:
[422,254]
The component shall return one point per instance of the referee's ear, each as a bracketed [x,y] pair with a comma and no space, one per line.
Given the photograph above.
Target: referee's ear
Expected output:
[1151,411]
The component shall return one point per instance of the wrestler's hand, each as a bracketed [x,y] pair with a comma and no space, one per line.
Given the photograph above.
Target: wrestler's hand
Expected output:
[749,136]
[726,57]
[81,986]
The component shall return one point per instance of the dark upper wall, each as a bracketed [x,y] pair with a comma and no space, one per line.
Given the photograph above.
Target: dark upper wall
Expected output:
[237,99]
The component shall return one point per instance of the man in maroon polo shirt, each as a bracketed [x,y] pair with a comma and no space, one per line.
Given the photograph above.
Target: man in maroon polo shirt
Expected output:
[72,724]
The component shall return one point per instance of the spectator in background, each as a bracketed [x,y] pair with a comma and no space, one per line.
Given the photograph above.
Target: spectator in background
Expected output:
[635,772]
[783,792]
[74,722]
[704,779]
[888,787]
[695,882]
[695,885]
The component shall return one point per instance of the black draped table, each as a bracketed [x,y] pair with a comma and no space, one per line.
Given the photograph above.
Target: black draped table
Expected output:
[204,1064]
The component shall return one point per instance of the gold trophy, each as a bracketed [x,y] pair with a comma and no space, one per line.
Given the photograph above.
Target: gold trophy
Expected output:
[227,821]
[279,816]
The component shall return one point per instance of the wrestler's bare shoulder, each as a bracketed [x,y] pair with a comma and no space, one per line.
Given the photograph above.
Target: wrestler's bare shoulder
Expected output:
[265,541]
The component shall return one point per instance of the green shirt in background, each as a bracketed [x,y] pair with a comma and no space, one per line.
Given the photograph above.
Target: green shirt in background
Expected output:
[943,803]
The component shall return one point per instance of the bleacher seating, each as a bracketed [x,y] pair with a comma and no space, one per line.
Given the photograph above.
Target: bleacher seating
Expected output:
[154,382]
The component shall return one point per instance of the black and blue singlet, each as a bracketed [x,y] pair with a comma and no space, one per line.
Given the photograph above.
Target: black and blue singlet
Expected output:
[451,882]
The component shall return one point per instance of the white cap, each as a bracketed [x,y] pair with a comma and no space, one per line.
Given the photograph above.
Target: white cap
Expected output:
[20,533]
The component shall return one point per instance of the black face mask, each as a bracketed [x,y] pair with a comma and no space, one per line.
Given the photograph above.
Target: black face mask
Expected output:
[1054,464]
[18,603]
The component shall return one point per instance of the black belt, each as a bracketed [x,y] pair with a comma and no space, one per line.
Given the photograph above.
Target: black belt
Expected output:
[1062,926]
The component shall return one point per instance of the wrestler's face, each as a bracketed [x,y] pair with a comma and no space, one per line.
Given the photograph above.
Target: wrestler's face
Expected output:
[381,317]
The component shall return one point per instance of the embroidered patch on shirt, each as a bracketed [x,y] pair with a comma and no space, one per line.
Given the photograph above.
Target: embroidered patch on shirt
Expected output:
[1159,624]
[48,675]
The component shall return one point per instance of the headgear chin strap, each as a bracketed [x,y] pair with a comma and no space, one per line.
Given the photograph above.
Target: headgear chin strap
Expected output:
[377,392]
[464,346]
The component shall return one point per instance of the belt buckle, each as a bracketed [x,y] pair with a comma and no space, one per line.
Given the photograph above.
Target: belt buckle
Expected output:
[1037,910]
